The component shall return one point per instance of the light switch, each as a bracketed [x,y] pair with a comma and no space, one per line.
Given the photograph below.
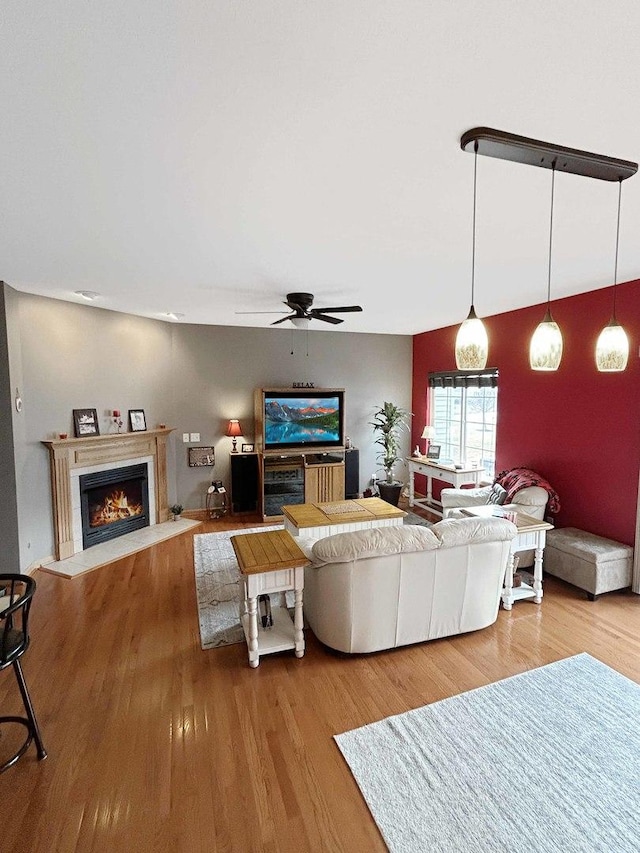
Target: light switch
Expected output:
[195,436]
[185,437]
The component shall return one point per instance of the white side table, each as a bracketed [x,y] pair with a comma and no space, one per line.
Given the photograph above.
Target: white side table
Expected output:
[270,563]
[532,533]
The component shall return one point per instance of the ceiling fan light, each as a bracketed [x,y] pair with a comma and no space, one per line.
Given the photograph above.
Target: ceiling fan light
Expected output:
[612,348]
[300,322]
[545,349]
[472,344]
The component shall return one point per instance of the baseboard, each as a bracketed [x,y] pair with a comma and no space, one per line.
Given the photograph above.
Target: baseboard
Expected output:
[37,564]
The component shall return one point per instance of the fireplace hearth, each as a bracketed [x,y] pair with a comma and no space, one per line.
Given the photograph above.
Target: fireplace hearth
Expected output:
[113,502]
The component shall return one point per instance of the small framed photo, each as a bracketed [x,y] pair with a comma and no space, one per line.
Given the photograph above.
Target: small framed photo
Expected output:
[434,451]
[85,422]
[247,448]
[199,457]
[137,420]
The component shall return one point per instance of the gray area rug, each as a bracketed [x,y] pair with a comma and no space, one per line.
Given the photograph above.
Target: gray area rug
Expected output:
[544,761]
[413,518]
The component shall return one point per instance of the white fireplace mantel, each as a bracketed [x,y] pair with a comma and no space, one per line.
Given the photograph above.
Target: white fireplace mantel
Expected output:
[68,454]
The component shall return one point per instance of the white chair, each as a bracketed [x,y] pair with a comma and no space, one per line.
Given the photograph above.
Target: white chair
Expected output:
[532,500]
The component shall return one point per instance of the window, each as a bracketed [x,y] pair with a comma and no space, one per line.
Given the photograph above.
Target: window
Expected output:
[464,412]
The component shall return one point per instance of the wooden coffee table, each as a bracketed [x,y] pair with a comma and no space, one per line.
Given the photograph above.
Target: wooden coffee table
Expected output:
[270,563]
[325,519]
[532,533]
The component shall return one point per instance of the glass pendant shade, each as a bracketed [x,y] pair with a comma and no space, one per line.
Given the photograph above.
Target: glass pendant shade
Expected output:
[612,348]
[472,344]
[545,350]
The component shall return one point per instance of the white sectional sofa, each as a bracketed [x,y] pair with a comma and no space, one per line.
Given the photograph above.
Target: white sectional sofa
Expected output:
[377,589]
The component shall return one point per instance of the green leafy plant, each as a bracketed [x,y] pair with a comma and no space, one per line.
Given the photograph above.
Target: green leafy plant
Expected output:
[389,422]
[176,509]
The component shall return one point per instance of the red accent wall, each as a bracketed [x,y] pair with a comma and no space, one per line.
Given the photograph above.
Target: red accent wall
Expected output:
[577,427]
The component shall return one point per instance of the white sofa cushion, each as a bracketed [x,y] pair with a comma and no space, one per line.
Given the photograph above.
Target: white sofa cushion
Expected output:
[463,531]
[375,542]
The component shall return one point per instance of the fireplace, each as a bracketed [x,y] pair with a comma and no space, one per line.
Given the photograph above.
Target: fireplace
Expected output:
[113,502]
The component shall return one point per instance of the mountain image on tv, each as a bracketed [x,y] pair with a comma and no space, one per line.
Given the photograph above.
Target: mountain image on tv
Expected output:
[301,420]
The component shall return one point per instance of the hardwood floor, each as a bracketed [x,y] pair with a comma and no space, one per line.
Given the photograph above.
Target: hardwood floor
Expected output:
[156,745]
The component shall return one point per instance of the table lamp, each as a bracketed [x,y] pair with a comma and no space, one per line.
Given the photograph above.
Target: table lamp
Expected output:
[428,433]
[234,430]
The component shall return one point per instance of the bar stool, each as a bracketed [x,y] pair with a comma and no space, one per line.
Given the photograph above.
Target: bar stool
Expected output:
[16,594]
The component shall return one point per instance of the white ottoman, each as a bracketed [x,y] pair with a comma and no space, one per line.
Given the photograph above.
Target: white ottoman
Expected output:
[587,561]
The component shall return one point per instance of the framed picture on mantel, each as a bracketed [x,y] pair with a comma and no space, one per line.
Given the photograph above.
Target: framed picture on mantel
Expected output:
[137,420]
[85,422]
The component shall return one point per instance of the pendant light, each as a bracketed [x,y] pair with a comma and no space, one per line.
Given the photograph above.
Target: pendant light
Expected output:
[545,349]
[472,343]
[612,349]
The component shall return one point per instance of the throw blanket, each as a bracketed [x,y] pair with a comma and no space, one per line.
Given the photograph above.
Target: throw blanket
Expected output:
[515,479]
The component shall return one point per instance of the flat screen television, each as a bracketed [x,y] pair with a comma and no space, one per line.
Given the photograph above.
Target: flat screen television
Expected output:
[305,420]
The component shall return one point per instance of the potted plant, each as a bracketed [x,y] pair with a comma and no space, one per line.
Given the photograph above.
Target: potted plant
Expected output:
[176,511]
[389,422]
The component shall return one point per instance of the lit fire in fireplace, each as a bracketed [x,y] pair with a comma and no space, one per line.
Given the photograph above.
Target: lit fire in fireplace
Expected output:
[114,508]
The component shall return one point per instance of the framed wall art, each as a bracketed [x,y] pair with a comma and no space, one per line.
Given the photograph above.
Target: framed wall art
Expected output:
[247,448]
[137,420]
[201,457]
[85,422]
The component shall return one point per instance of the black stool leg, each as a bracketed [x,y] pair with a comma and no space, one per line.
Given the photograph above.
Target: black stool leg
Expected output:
[26,699]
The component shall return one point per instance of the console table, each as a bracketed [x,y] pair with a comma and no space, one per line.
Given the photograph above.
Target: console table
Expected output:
[457,477]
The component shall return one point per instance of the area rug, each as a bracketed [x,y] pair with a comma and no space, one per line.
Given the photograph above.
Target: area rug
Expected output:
[218,586]
[544,761]
[414,518]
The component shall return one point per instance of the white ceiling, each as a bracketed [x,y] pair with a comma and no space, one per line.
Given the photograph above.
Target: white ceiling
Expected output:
[207,157]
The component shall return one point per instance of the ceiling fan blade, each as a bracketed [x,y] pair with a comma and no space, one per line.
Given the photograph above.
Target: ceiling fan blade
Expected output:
[327,319]
[258,312]
[284,319]
[342,309]
[300,310]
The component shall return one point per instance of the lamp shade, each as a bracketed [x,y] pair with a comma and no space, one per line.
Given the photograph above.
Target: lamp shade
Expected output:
[612,348]
[545,349]
[472,344]
[234,429]
[300,322]
[428,432]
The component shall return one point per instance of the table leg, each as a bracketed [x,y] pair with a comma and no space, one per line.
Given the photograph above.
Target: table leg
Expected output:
[252,642]
[507,591]
[411,488]
[429,489]
[537,570]
[298,634]
[242,602]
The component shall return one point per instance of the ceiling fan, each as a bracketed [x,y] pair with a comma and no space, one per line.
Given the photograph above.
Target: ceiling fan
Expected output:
[300,304]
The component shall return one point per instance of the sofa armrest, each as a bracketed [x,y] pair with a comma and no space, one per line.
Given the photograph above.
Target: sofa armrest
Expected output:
[455,498]
[531,501]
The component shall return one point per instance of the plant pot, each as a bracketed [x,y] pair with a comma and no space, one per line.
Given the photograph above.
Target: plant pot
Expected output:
[389,492]
[176,516]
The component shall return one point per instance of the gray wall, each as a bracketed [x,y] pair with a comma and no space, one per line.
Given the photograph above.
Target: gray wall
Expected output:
[65,356]
[8,479]
[217,369]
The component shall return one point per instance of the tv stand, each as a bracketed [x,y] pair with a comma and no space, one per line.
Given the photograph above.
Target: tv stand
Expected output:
[296,478]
